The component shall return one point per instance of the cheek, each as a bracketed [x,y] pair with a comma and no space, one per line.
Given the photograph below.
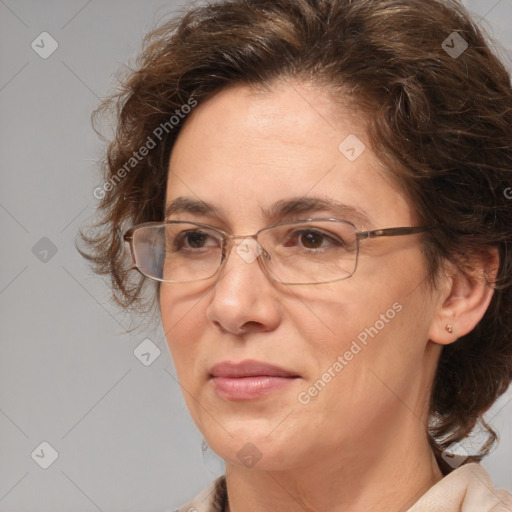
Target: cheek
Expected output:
[369,352]
[183,322]
[380,316]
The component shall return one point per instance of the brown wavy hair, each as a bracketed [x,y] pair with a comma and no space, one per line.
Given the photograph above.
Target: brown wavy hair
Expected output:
[442,124]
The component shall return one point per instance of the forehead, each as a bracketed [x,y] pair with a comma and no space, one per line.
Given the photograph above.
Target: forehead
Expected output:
[242,152]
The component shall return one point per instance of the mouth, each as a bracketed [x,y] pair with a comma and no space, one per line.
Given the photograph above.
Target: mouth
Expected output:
[249,379]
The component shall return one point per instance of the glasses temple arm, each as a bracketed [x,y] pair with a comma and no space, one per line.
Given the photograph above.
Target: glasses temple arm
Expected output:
[394,231]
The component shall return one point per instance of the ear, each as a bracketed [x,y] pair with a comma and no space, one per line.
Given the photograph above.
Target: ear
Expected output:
[463,298]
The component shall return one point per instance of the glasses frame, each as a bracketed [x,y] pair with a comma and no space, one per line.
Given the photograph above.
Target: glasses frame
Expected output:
[227,239]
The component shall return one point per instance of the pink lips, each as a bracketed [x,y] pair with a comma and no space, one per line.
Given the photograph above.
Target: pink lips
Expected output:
[248,379]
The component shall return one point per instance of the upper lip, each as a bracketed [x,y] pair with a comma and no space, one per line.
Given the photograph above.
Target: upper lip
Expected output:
[248,368]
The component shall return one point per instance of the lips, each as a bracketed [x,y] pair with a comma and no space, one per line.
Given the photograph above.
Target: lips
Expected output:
[248,368]
[249,379]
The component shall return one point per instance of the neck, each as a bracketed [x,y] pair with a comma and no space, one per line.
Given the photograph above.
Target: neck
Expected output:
[388,475]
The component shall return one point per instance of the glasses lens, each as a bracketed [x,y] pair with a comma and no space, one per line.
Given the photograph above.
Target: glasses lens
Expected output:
[310,252]
[303,252]
[177,252]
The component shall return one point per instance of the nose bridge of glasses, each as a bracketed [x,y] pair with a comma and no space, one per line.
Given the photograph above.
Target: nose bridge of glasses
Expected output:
[248,247]
[230,240]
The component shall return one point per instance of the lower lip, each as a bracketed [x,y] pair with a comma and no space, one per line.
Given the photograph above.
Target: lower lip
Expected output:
[249,388]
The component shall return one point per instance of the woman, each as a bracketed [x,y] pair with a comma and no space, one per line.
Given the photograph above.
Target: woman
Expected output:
[315,193]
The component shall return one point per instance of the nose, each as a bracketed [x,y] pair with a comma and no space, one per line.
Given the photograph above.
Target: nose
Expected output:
[244,299]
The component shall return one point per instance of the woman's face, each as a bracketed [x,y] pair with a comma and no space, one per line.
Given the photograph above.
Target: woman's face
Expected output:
[359,346]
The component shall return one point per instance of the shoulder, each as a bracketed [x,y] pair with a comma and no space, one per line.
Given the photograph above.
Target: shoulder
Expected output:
[464,488]
[210,499]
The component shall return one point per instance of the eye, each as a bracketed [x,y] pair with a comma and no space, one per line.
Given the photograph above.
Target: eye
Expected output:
[313,239]
[191,240]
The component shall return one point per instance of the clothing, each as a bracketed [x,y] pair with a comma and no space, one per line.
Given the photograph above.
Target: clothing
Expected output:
[211,499]
[469,484]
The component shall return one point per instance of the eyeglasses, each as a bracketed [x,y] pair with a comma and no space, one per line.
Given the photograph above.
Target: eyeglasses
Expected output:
[310,251]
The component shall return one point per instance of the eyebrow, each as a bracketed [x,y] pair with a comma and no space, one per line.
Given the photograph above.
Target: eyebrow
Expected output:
[281,210]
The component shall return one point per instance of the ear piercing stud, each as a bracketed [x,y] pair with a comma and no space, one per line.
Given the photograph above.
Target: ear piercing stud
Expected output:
[449,328]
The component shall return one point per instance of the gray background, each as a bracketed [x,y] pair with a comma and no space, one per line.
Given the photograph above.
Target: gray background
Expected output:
[68,374]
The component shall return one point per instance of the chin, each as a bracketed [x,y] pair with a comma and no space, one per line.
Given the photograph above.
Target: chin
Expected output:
[255,452]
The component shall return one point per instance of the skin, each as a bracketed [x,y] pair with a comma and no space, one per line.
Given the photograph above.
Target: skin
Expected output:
[360,444]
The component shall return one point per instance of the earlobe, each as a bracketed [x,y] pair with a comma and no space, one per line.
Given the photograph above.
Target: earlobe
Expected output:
[464,298]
